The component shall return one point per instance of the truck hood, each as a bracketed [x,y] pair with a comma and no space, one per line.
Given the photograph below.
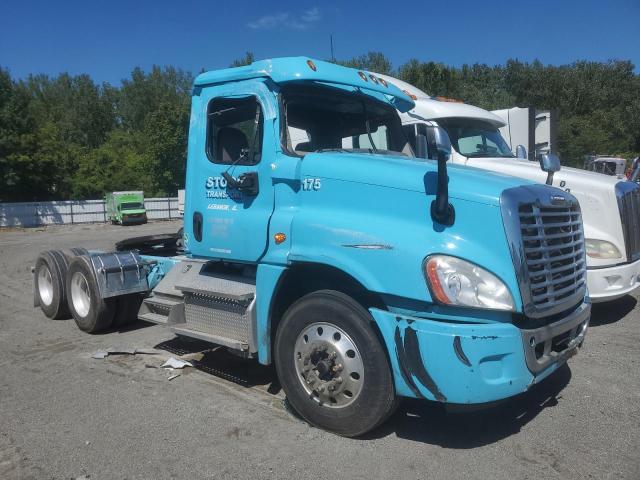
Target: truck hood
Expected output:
[407,173]
[571,178]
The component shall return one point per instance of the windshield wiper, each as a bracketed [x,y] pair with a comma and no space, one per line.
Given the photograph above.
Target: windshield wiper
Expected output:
[366,124]
[320,150]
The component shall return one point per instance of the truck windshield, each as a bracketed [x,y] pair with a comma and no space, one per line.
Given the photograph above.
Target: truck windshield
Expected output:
[322,119]
[475,138]
[132,206]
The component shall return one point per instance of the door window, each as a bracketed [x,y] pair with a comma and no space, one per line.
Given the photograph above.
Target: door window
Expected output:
[234,131]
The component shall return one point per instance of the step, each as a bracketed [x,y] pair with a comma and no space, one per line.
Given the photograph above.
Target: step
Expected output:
[234,288]
[164,302]
[153,318]
[208,337]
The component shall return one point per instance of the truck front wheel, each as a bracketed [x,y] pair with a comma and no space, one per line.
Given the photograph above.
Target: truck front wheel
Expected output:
[332,366]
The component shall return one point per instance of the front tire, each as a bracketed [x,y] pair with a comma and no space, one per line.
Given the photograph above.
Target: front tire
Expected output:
[91,312]
[332,366]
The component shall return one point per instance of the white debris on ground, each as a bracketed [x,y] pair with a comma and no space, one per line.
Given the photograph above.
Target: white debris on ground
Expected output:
[176,363]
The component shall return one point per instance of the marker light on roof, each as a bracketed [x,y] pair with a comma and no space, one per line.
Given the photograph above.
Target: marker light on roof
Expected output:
[373,79]
[448,99]
[411,95]
[383,82]
[363,76]
[312,65]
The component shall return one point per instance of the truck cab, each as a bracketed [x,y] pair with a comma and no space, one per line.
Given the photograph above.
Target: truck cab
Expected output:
[609,204]
[613,166]
[318,240]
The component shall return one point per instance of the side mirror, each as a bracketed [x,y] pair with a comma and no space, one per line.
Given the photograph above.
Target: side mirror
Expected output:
[422,150]
[441,210]
[441,142]
[521,152]
[550,163]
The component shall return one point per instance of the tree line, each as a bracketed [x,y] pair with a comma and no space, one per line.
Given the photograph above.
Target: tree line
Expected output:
[67,137]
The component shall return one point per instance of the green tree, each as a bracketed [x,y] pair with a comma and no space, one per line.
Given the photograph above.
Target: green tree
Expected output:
[248,59]
[372,62]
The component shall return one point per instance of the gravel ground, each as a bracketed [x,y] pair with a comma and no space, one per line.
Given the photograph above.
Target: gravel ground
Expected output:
[66,415]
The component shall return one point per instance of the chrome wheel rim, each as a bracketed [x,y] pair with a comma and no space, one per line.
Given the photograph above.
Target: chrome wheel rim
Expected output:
[45,285]
[80,294]
[328,365]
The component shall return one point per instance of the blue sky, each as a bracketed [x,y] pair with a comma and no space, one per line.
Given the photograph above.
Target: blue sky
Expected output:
[107,39]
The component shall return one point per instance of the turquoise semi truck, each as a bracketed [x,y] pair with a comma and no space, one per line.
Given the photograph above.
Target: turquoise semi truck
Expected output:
[364,271]
[126,208]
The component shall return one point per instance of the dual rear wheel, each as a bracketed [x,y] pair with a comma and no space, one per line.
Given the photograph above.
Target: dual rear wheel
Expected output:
[65,286]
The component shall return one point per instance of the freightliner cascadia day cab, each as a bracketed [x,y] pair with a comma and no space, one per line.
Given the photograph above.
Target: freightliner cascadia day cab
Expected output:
[126,208]
[362,273]
[610,206]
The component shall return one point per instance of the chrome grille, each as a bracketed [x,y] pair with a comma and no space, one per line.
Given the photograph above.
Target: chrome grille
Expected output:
[545,235]
[554,252]
[628,194]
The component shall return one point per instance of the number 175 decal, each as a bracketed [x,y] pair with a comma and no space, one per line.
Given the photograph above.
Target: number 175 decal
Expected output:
[311,184]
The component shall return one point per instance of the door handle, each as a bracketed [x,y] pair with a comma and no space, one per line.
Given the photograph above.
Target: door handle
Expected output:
[197,226]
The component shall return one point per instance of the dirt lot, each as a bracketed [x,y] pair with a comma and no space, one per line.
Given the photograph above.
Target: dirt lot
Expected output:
[66,415]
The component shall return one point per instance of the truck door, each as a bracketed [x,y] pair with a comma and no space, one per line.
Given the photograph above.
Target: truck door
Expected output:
[229,191]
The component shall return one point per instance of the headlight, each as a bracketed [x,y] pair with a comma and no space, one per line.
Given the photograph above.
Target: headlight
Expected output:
[453,281]
[601,249]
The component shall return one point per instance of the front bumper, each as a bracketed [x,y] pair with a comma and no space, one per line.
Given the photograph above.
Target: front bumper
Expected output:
[134,218]
[467,363]
[607,284]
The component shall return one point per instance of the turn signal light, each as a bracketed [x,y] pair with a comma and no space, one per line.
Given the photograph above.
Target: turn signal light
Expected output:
[436,285]
[279,238]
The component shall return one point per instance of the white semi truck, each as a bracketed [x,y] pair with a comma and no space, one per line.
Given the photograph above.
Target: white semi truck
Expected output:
[610,206]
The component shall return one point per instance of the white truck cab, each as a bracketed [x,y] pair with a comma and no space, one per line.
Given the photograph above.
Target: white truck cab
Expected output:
[608,165]
[610,206]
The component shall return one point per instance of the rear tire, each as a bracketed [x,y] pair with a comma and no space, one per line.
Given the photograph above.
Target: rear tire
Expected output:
[332,366]
[76,252]
[49,282]
[91,313]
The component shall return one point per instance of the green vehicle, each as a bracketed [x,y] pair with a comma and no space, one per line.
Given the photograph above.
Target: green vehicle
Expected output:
[126,207]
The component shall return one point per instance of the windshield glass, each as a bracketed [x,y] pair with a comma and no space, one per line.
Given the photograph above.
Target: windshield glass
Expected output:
[475,138]
[321,119]
[132,206]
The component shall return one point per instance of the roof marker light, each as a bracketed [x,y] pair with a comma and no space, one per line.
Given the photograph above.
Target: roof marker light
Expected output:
[373,79]
[383,82]
[411,95]
[363,76]
[449,99]
[312,65]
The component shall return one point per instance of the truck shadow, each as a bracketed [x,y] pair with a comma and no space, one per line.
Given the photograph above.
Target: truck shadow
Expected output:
[217,361]
[611,312]
[432,423]
[417,420]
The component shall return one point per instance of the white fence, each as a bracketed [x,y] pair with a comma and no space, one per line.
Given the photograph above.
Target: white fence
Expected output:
[34,214]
